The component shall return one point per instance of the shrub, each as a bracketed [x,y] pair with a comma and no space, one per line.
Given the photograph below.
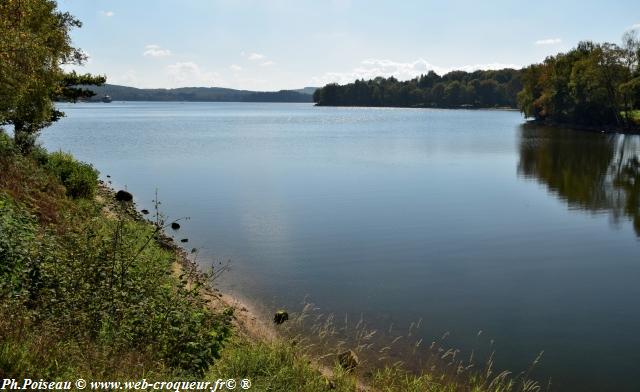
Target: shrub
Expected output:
[39,155]
[111,283]
[80,179]
[17,238]
[94,281]
[7,146]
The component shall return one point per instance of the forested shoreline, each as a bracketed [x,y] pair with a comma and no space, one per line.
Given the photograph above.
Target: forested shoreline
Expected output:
[592,85]
[480,89]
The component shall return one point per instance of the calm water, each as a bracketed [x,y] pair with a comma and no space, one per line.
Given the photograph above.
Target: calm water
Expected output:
[467,219]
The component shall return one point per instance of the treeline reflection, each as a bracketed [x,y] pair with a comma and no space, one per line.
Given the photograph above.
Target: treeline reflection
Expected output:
[591,171]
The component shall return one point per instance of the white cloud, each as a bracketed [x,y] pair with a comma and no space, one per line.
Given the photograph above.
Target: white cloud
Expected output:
[372,68]
[255,56]
[107,13]
[635,26]
[189,74]
[156,51]
[129,78]
[548,41]
[235,67]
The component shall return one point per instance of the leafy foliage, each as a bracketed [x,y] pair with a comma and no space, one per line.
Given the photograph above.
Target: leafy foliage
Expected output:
[115,285]
[35,44]
[7,147]
[80,179]
[454,89]
[592,84]
[17,248]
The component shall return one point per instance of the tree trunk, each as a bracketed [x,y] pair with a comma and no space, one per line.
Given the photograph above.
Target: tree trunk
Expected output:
[23,137]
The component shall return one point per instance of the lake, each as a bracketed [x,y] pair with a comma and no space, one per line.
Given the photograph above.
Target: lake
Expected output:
[469,220]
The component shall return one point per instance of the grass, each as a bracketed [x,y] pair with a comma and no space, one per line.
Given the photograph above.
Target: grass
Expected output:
[93,294]
[282,366]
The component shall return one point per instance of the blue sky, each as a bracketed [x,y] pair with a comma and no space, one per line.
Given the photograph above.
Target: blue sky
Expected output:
[278,44]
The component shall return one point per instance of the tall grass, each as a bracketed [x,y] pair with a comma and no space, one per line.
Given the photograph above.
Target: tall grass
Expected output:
[394,359]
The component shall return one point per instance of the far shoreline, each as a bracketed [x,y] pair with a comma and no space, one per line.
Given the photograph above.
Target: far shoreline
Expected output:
[469,107]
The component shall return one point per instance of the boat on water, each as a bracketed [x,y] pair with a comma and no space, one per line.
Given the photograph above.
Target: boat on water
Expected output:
[106,99]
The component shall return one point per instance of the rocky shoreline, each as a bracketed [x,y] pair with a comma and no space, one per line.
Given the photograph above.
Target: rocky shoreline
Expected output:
[248,322]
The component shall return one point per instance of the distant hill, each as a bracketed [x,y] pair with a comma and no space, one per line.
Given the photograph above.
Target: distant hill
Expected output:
[199,94]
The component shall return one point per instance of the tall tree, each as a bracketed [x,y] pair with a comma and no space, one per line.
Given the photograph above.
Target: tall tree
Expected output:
[592,84]
[35,44]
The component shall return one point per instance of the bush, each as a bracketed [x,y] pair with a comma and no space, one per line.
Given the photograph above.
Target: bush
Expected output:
[7,146]
[80,179]
[39,155]
[17,238]
[110,283]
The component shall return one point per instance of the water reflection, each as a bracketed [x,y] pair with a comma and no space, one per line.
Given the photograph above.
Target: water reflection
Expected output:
[590,171]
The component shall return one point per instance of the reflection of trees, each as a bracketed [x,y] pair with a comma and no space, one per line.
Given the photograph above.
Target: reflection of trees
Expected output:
[591,171]
[628,179]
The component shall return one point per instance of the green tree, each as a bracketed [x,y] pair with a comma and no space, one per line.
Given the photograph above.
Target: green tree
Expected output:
[34,45]
[592,84]
[487,92]
[453,94]
[454,89]
[630,90]
[437,93]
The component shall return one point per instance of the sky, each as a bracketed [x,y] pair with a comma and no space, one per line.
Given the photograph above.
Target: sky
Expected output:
[285,44]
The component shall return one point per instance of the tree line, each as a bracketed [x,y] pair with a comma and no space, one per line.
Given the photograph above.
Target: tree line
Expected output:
[483,89]
[592,84]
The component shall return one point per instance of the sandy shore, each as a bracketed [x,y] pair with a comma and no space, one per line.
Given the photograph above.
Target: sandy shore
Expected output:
[248,322]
